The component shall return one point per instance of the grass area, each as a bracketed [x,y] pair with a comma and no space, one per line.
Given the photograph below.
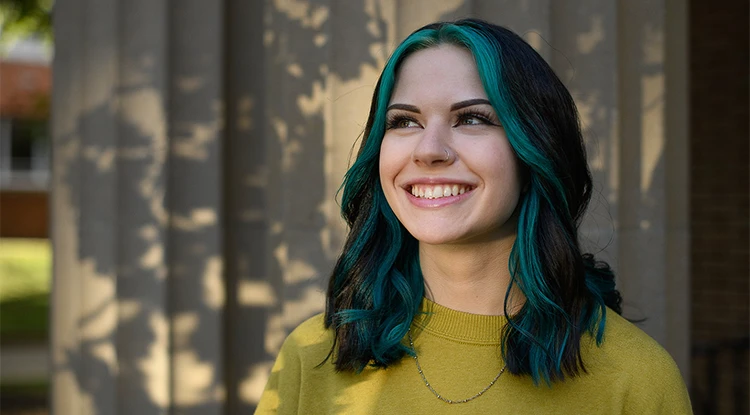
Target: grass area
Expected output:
[25,276]
[34,390]
[29,398]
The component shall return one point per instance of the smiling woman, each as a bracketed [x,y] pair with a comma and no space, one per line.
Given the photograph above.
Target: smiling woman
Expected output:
[461,280]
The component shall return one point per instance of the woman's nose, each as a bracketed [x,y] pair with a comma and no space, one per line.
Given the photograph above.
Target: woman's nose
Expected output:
[433,148]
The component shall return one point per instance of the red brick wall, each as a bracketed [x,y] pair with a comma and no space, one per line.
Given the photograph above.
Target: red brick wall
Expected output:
[719,205]
[24,90]
[23,214]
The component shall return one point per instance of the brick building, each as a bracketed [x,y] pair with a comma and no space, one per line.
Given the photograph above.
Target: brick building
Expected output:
[25,86]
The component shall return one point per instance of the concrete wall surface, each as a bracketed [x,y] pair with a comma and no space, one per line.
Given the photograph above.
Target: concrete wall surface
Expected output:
[198,148]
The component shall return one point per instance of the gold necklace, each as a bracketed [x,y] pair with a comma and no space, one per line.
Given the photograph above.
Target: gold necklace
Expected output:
[441,397]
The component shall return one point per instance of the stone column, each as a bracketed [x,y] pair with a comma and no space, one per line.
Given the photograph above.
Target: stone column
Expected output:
[136,202]
[142,152]
[250,293]
[677,159]
[195,200]
[653,186]
[65,306]
[97,167]
[624,65]
[584,42]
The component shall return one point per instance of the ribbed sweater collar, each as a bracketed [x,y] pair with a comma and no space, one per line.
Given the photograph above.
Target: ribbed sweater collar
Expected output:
[458,325]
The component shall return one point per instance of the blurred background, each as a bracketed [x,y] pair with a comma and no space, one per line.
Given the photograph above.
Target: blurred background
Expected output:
[168,174]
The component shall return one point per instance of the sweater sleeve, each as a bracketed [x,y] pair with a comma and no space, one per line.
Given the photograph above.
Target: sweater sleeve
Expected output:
[661,391]
[281,395]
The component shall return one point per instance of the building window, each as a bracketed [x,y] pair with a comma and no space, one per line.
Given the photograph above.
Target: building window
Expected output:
[24,154]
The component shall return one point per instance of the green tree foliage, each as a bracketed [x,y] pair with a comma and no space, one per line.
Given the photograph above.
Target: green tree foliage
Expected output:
[25,18]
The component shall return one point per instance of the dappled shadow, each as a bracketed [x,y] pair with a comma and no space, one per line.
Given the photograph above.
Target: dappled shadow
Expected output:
[162,207]
[137,276]
[304,49]
[203,189]
[616,77]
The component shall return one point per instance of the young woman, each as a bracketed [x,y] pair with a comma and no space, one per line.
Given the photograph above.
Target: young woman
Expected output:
[462,286]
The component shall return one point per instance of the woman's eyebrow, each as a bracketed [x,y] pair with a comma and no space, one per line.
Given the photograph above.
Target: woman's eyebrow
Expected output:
[454,107]
[469,102]
[405,107]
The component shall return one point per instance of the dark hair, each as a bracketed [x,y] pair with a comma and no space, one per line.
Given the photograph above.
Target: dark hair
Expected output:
[376,286]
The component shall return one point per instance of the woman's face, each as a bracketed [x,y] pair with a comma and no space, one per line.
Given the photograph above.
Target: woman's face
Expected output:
[446,166]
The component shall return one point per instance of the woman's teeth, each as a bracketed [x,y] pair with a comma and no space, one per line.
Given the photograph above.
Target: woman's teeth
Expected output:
[438,191]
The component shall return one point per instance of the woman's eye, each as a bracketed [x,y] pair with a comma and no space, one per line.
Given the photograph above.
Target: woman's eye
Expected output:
[402,123]
[406,123]
[472,119]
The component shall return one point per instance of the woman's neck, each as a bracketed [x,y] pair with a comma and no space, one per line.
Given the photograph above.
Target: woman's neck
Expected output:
[472,278]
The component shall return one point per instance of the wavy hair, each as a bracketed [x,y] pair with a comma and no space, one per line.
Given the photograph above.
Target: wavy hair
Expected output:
[376,286]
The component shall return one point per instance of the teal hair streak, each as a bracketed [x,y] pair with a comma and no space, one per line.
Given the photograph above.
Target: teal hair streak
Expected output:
[391,297]
[541,311]
[388,300]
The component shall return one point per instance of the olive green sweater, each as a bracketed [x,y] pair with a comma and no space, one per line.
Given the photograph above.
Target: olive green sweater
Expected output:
[460,355]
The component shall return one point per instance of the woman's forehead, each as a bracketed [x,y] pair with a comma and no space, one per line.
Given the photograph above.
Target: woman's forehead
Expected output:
[438,73]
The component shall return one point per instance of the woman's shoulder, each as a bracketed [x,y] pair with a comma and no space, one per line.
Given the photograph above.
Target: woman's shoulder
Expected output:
[630,346]
[638,364]
[303,350]
[310,329]
[309,339]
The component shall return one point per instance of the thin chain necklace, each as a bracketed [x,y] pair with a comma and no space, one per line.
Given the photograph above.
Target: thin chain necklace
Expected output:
[438,395]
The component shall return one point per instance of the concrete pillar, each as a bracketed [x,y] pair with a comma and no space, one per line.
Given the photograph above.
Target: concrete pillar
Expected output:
[584,39]
[653,208]
[531,19]
[143,333]
[196,210]
[408,16]
[66,393]
[251,296]
[641,202]
[677,193]
[625,67]
[297,56]
[97,124]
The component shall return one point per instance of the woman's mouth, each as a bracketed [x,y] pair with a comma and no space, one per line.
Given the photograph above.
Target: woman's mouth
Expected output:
[437,191]
[437,195]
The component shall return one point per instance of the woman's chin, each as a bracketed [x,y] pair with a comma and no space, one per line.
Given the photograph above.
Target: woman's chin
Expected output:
[476,237]
[439,237]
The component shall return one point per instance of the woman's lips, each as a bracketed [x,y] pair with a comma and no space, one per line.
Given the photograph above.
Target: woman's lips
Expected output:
[439,202]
